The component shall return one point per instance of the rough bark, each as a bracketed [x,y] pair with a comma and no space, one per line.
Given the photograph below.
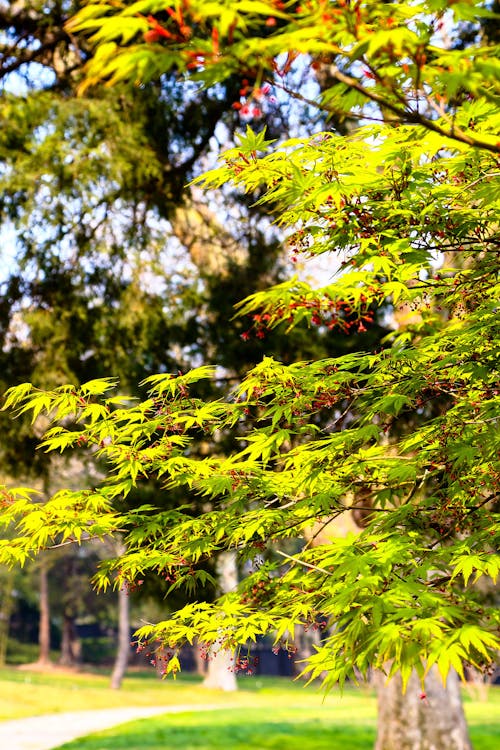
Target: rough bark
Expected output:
[220,672]
[414,722]
[123,648]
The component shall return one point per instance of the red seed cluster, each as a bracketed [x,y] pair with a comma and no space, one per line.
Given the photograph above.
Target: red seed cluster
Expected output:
[245,664]
[254,101]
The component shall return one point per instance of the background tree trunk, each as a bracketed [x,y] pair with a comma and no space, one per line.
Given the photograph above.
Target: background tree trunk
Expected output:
[71,651]
[6,607]
[220,672]
[44,626]
[123,646]
[305,641]
[199,660]
[411,722]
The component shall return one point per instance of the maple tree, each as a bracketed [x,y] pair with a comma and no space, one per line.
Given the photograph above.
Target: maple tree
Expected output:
[407,204]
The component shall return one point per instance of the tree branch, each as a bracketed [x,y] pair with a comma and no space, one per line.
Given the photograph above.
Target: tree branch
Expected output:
[404,115]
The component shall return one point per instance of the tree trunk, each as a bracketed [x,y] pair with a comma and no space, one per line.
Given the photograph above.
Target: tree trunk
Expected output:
[70,644]
[6,606]
[220,672]
[305,642]
[199,660]
[44,626]
[123,649]
[433,720]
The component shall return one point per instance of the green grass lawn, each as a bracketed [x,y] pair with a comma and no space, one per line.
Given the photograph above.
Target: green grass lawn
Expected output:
[266,713]
[339,723]
[255,728]
[31,693]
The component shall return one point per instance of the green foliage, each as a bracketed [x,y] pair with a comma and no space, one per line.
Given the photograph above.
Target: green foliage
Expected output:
[393,53]
[408,206]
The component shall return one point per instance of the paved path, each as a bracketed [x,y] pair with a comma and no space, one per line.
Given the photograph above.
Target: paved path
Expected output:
[48,732]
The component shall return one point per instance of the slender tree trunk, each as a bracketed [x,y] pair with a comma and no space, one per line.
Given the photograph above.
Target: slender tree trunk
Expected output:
[44,626]
[200,662]
[65,658]
[70,643]
[414,722]
[123,649]
[220,672]
[305,642]
[6,605]
[478,684]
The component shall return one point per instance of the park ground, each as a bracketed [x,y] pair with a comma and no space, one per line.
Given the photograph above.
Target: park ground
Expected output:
[265,714]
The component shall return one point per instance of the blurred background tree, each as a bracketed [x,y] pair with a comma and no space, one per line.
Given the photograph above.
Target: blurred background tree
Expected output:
[110,264]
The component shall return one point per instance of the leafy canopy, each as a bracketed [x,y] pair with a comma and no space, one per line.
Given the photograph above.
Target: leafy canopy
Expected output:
[406,204]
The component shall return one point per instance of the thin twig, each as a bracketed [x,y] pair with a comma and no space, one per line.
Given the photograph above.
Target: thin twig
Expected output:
[302,562]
